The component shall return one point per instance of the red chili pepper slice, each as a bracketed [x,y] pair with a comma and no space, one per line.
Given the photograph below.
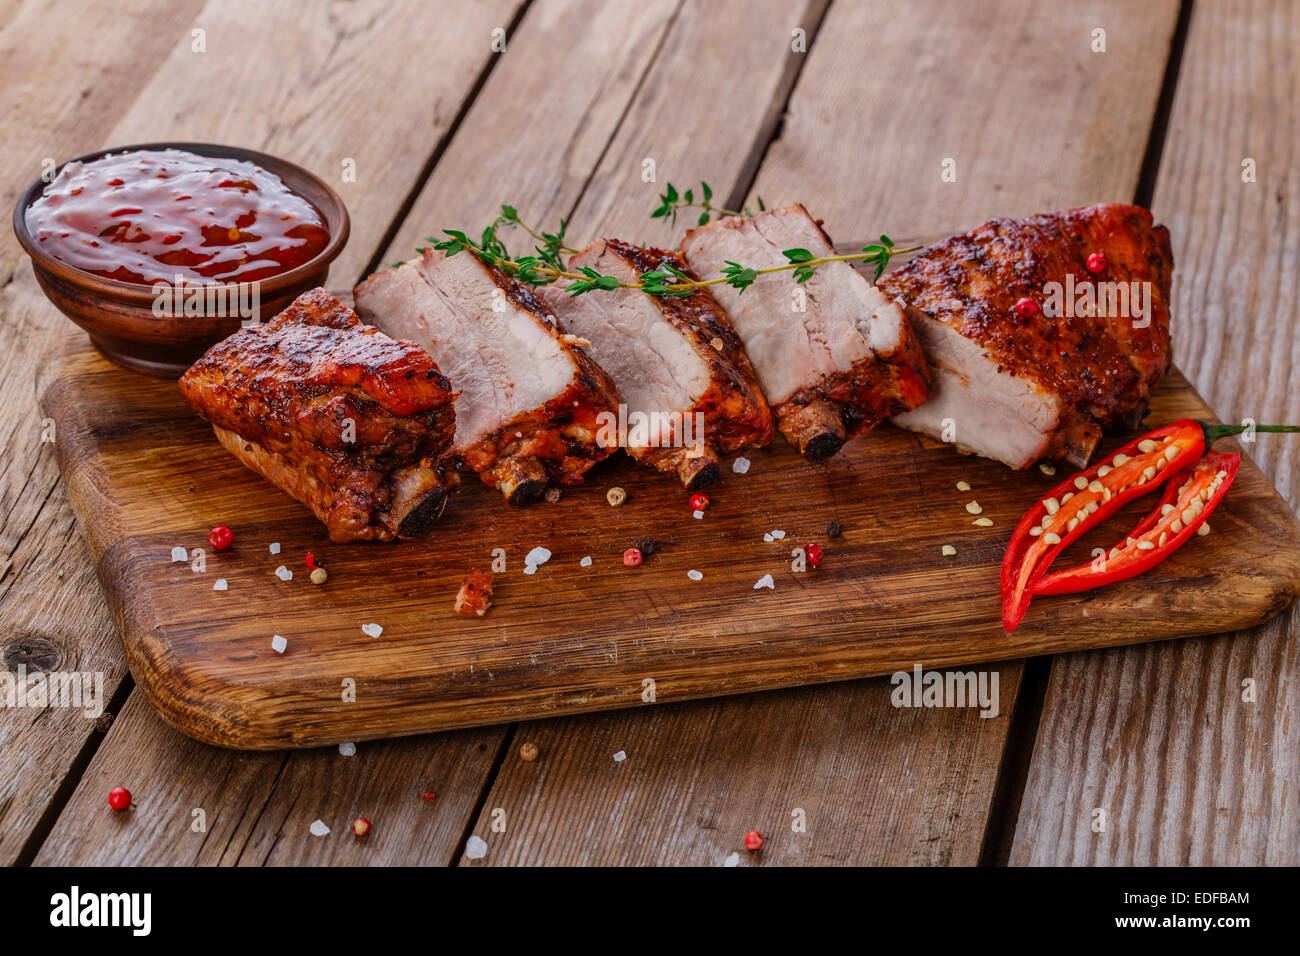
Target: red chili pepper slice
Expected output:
[1087,499]
[1090,497]
[1190,498]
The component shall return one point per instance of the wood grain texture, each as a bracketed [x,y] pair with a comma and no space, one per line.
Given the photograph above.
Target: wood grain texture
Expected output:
[888,91]
[59,97]
[539,157]
[258,808]
[302,82]
[698,776]
[1160,738]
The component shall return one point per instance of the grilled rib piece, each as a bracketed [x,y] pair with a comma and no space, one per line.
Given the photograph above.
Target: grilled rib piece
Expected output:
[348,421]
[529,400]
[1019,388]
[834,355]
[677,362]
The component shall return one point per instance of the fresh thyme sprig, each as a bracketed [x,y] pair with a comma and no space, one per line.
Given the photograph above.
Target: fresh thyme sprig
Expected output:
[550,244]
[547,266]
[670,201]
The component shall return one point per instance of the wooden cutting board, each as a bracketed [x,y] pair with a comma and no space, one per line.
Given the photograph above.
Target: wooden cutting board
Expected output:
[146,475]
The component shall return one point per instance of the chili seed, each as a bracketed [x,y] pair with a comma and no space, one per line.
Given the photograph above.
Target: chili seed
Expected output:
[983,522]
[1146,446]
[973,507]
[1081,482]
[1052,506]
[947,551]
[963,486]
[1051,538]
[1035,531]
[1204,529]
[1046,469]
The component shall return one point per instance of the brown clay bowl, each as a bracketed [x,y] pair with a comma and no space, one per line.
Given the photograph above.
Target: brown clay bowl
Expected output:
[120,318]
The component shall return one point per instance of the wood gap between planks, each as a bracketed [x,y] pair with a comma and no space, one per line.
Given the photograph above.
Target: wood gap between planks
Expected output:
[1027,711]
[1146,187]
[439,148]
[72,778]
[772,127]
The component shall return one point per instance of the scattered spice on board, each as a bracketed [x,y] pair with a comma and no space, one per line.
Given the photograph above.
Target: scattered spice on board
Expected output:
[646,545]
[528,752]
[360,826]
[834,529]
[553,495]
[616,496]
[754,841]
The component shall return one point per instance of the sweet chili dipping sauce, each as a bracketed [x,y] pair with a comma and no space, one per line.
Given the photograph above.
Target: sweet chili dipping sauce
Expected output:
[151,215]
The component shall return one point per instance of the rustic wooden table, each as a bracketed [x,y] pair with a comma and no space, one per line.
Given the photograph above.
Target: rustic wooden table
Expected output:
[424,115]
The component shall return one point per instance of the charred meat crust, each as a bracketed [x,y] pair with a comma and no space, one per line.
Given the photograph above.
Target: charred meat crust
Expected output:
[560,434]
[734,409]
[350,422]
[1101,366]
[835,396]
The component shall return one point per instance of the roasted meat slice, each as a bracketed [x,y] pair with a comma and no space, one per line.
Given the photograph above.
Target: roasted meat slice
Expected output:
[834,355]
[689,391]
[529,400]
[350,422]
[1089,339]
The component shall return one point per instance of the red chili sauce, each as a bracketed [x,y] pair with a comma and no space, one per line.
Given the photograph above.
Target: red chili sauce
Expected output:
[151,215]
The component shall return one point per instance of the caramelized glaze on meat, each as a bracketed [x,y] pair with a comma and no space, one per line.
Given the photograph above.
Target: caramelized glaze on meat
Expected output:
[350,422]
[1020,387]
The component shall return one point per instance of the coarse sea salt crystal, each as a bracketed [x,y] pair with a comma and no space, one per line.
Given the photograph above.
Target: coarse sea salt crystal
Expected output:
[275,547]
[698,514]
[475,848]
[371,630]
[765,582]
[348,749]
[530,569]
[586,562]
[694,575]
[740,466]
[180,554]
[537,557]
[733,860]
[778,535]
[318,828]
[278,643]
[767,536]
[620,757]
[219,584]
[283,573]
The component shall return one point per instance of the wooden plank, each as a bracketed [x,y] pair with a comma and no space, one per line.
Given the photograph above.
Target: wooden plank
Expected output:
[257,809]
[59,96]
[301,81]
[450,760]
[1035,121]
[1160,738]
[537,151]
